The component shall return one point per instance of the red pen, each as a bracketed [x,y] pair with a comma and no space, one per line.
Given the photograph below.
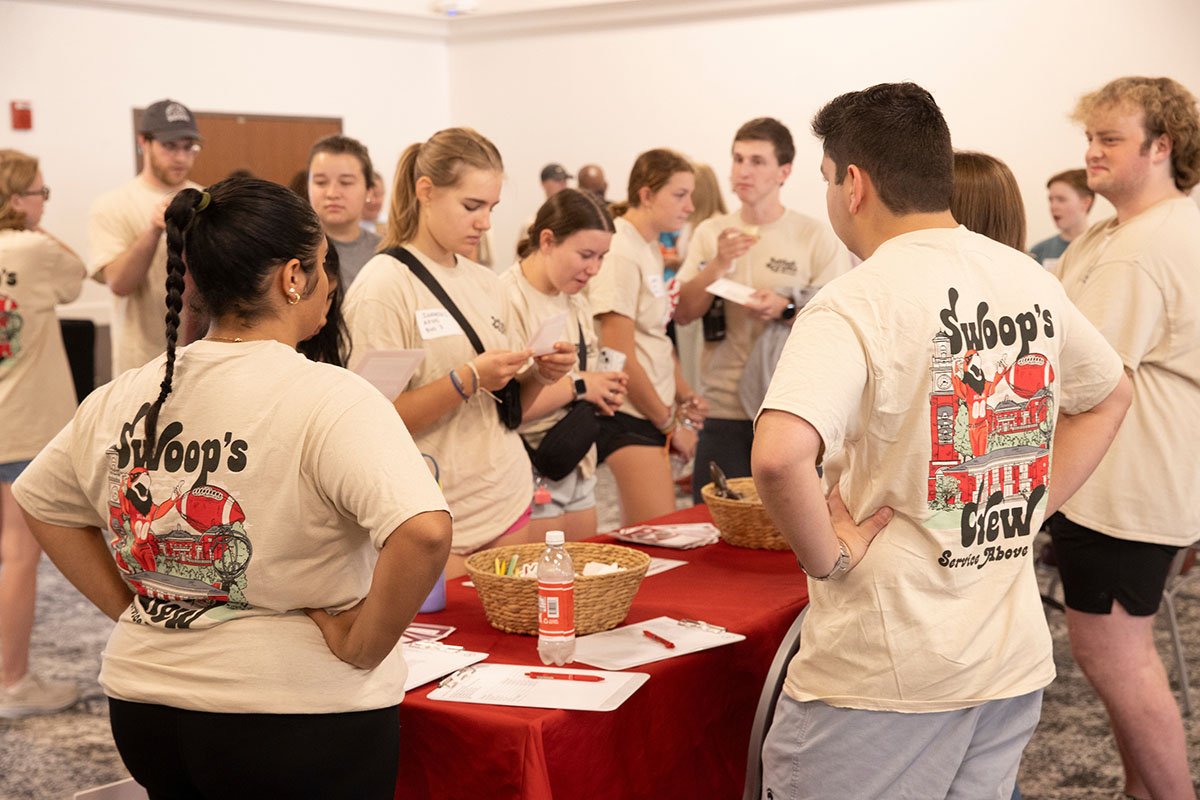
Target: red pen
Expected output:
[659,639]
[563,676]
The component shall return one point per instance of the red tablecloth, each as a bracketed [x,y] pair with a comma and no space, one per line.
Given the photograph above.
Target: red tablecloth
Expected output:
[684,733]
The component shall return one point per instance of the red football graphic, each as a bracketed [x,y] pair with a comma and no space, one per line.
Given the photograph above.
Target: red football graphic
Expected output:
[208,506]
[1030,374]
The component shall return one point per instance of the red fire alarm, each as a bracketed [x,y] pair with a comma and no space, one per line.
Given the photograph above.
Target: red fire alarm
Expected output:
[22,115]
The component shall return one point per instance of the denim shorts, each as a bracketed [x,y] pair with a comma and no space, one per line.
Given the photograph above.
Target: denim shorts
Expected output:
[12,470]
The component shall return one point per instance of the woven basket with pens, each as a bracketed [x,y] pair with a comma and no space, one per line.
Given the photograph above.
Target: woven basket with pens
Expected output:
[743,523]
[601,601]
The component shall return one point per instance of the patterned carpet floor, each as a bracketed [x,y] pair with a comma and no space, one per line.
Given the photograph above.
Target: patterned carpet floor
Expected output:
[1071,757]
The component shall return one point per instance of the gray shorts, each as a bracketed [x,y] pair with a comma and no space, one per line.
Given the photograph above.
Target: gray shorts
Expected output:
[572,493]
[816,751]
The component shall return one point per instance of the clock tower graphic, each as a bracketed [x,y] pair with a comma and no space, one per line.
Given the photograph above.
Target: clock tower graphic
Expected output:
[943,406]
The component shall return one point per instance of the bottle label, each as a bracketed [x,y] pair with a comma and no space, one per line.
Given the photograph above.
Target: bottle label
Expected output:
[556,609]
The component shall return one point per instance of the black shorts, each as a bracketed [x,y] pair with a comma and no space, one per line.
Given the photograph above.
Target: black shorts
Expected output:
[622,430]
[1097,568]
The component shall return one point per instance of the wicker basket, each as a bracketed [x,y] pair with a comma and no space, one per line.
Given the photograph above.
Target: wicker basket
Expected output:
[601,601]
[743,523]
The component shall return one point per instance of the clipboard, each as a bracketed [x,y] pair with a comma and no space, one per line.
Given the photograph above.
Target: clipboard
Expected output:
[427,661]
[629,646]
[510,685]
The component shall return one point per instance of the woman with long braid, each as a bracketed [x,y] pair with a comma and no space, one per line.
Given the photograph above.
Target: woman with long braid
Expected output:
[244,489]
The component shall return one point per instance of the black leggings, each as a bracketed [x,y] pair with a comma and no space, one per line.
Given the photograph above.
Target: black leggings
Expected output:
[196,755]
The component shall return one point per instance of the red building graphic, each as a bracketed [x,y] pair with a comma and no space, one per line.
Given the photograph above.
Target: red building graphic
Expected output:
[1011,470]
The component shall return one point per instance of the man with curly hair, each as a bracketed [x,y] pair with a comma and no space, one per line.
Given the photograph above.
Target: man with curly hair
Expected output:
[1135,277]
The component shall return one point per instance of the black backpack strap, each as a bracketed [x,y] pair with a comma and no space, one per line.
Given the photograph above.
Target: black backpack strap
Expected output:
[418,269]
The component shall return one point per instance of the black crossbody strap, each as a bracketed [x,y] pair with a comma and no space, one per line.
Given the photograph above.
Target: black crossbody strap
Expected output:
[418,269]
[582,350]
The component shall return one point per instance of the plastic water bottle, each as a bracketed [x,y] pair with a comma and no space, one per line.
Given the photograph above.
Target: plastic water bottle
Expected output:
[556,602]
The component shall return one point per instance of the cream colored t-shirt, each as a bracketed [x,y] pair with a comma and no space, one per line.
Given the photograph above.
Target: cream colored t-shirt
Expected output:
[902,366]
[529,310]
[274,483]
[116,220]
[485,472]
[793,252]
[37,395]
[630,283]
[1139,283]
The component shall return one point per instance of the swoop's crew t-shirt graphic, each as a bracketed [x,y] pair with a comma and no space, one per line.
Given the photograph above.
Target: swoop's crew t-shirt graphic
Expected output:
[991,422]
[191,546]
[934,372]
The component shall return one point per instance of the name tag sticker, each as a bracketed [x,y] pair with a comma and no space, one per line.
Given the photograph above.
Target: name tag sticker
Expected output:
[656,285]
[435,323]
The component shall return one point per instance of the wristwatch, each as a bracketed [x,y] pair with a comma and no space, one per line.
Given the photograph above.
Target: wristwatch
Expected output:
[840,567]
[580,388]
[788,312]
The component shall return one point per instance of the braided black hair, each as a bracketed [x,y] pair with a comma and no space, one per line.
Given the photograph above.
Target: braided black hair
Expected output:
[244,232]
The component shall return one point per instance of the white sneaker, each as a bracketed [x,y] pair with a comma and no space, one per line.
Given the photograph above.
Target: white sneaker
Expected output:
[30,696]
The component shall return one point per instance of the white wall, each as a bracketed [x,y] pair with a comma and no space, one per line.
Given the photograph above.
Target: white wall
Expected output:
[1006,73]
[85,69]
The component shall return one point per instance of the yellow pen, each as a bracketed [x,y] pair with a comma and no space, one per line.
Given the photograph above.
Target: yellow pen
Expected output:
[497,566]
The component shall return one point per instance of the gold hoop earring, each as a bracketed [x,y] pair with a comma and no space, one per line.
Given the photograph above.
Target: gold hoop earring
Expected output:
[293,297]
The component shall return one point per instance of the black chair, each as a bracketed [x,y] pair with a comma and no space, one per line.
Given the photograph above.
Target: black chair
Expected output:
[772,686]
[79,338]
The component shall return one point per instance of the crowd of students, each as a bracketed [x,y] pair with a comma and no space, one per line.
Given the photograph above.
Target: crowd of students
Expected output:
[243,506]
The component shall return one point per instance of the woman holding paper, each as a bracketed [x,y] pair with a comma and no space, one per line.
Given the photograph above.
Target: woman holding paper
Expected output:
[241,486]
[441,206]
[562,251]
[632,307]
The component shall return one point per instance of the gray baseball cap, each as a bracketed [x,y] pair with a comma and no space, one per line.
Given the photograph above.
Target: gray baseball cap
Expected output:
[168,120]
[555,172]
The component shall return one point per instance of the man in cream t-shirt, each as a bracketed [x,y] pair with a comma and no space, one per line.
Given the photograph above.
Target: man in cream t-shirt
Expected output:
[125,233]
[1136,276]
[775,251]
[929,651]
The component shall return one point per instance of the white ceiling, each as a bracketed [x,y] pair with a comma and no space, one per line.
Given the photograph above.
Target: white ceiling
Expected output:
[422,8]
[491,18]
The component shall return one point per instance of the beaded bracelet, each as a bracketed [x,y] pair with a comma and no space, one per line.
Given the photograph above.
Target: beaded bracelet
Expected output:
[458,386]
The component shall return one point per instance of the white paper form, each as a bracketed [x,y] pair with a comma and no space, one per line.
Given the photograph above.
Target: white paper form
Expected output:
[550,332]
[510,685]
[681,536]
[389,370]
[428,663]
[628,646]
[736,292]
[658,565]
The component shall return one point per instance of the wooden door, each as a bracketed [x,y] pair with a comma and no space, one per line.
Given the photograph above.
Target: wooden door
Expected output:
[271,147]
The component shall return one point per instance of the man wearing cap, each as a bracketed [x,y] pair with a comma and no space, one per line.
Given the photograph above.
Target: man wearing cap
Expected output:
[554,179]
[125,232]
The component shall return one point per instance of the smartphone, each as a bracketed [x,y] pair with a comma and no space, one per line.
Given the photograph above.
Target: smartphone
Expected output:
[610,360]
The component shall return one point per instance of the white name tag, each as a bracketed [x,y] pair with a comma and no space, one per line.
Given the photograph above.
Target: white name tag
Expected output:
[656,285]
[435,323]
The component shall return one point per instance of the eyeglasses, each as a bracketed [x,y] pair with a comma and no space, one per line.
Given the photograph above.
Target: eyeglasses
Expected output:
[178,147]
[44,192]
